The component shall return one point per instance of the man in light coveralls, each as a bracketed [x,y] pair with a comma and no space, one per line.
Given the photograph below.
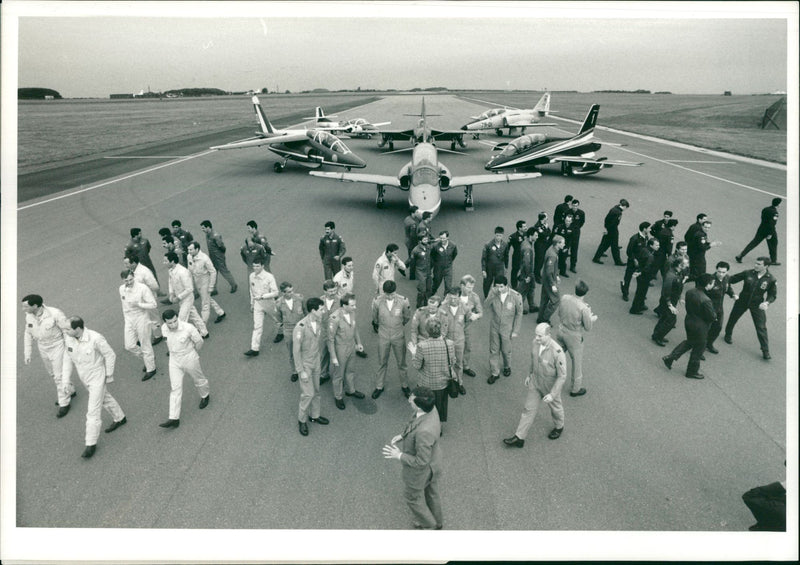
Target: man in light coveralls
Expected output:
[90,354]
[44,324]
[137,303]
[183,342]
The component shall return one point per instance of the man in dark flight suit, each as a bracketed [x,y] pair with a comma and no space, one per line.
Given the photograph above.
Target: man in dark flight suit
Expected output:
[699,317]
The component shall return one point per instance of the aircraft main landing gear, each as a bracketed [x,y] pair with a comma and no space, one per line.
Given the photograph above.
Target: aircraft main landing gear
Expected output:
[379,199]
[468,204]
[278,167]
[499,132]
[566,168]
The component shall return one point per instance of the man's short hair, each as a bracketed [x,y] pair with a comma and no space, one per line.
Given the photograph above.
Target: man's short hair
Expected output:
[709,222]
[252,224]
[467,279]
[135,231]
[195,243]
[568,199]
[575,201]
[123,274]
[389,286]
[328,284]
[500,279]
[313,304]
[258,261]
[426,215]
[766,260]
[176,223]
[346,259]
[434,327]
[557,239]
[285,285]
[347,299]
[530,232]
[724,265]
[424,398]
[434,298]
[542,215]
[701,215]
[644,225]
[444,232]
[652,241]
[75,322]
[168,239]
[581,288]
[33,300]
[164,232]
[676,261]
[132,258]
[412,209]
[499,229]
[168,314]
[681,244]
[672,222]
[624,203]
[521,223]
[776,201]
[668,213]
[392,247]
[172,257]
[330,225]
[454,290]
[206,224]
[704,280]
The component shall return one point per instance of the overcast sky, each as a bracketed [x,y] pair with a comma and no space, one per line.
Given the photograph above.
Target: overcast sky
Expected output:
[581,46]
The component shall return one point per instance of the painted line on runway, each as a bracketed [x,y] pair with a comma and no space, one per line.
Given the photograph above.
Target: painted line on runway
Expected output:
[672,163]
[136,174]
[704,162]
[146,157]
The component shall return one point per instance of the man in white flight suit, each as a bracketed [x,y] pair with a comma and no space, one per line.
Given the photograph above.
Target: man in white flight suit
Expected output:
[90,354]
[183,342]
[263,290]
[45,324]
[145,276]
[205,278]
[181,292]
[137,303]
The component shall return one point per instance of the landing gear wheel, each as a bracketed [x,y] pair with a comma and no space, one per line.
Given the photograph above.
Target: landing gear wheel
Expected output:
[391,146]
[379,199]
[566,169]
[278,167]
[468,204]
[499,132]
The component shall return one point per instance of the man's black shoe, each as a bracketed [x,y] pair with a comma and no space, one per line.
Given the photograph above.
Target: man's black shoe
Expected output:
[233,288]
[278,338]
[355,394]
[572,270]
[492,379]
[376,393]
[362,354]
[727,339]
[406,391]
[157,340]
[555,433]
[775,264]
[319,420]
[220,318]
[115,425]
[303,428]
[251,353]
[62,411]
[89,451]
[581,392]
[324,379]
[339,403]
[702,357]
[294,377]
[507,372]
[598,261]
[206,336]
[636,312]
[565,275]
[696,376]
[469,372]
[712,349]
[622,288]
[149,375]
[766,355]
[667,361]
[738,258]
[214,292]
[657,341]
[461,389]
[204,401]
[620,264]
[514,441]
[170,423]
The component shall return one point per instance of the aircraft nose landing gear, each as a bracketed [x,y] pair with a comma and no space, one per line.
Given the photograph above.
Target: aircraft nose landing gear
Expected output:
[278,167]
[468,204]
[379,199]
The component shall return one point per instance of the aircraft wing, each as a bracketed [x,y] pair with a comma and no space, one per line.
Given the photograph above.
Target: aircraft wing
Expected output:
[384,180]
[448,135]
[485,179]
[606,162]
[258,142]
[393,135]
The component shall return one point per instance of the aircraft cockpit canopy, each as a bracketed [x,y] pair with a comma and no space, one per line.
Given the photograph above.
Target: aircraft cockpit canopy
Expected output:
[524,143]
[330,141]
[490,113]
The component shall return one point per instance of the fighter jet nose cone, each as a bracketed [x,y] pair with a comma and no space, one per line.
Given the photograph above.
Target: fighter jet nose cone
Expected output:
[465,128]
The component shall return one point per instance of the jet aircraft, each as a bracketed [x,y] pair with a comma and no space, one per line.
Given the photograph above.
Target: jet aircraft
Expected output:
[499,119]
[576,154]
[422,133]
[309,148]
[356,127]
[425,178]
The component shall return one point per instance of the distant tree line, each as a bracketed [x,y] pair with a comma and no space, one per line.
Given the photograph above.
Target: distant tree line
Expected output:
[640,91]
[196,92]
[37,93]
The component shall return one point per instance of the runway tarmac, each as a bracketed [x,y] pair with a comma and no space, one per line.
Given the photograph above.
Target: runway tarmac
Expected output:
[645,450]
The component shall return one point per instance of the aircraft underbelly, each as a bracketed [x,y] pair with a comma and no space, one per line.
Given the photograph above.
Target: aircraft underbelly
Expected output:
[427,197]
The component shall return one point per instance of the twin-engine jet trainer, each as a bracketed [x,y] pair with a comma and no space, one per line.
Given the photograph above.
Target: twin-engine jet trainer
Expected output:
[425,178]
[356,127]
[309,148]
[422,133]
[576,154]
[499,119]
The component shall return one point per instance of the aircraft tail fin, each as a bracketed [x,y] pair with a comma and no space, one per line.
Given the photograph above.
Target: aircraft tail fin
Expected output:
[542,107]
[319,113]
[591,119]
[263,121]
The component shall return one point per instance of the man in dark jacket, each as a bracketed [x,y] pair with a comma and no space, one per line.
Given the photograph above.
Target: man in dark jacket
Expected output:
[766,230]
[646,270]
[759,291]
[540,245]
[699,317]
[636,243]
[722,286]
[671,290]
[514,243]
[611,233]
[578,220]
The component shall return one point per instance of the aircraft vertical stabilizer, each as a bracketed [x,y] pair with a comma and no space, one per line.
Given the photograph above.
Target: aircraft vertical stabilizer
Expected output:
[542,107]
[263,121]
[591,119]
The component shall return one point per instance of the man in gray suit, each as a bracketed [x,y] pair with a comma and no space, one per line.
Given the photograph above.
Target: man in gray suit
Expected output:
[420,458]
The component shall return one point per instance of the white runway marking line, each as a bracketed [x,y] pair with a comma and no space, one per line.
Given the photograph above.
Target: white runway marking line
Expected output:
[136,174]
[146,157]
[673,163]
[706,162]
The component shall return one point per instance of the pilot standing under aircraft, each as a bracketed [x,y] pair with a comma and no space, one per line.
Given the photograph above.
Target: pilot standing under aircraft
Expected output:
[331,250]
[494,259]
